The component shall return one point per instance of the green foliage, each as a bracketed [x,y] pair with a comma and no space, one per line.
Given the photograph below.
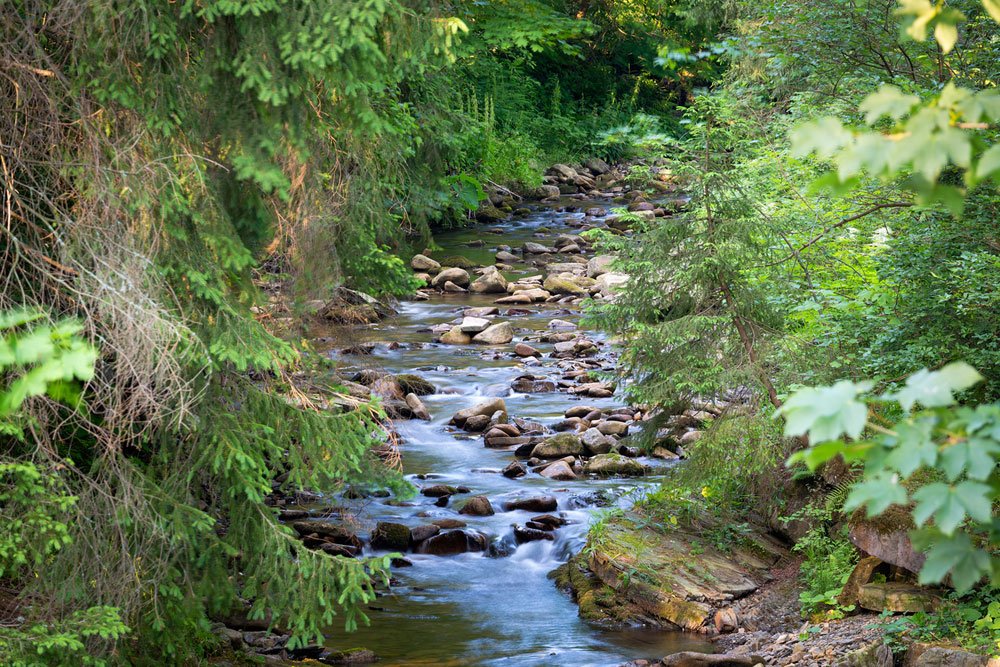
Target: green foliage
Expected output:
[971,620]
[828,560]
[942,458]
[734,461]
[34,504]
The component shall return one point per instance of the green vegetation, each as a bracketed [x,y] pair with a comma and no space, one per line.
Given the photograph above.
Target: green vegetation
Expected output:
[172,170]
[842,178]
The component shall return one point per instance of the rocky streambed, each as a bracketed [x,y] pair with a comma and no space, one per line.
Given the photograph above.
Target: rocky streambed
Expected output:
[508,425]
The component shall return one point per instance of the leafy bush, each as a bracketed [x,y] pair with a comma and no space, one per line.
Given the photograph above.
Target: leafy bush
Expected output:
[942,458]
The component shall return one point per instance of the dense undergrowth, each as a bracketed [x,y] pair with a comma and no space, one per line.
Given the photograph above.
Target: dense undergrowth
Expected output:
[841,175]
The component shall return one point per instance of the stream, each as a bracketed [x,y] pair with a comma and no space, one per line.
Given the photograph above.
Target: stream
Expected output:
[486,608]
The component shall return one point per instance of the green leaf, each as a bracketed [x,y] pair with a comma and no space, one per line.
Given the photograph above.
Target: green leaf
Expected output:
[914,446]
[876,493]
[974,456]
[826,413]
[957,557]
[989,162]
[888,101]
[936,388]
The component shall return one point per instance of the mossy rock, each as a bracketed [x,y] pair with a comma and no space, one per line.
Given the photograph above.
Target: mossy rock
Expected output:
[458,262]
[390,536]
[558,446]
[557,285]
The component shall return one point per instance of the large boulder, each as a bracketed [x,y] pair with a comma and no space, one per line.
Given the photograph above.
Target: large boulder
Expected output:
[456,337]
[453,275]
[563,285]
[887,538]
[532,504]
[678,589]
[477,506]
[425,264]
[532,248]
[491,282]
[487,409]
[497,334]
[611,465]
[897,597]
[610,283]
[558,446]
[452,543]
[597,166]
[559,470]
[390,536]
[599,265]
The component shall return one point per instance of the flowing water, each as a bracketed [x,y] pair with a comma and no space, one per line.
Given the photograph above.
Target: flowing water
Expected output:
[477,608]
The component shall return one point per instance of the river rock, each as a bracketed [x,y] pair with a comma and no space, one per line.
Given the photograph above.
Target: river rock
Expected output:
[497,334]
[474,325]
[594,389]
[693,659]
[519,298]
[560,470]
[488,409]
[425,264]
[492,282]
[476,423]
[481,311]
[456,337]
[532,504]
[514,470]
[523,534]
[531,248]
[452,543]
[454,275]
[560,285]
[599,265]
[597,166]
[610,283]
[690,438]
[417,407]
[421,533]
[525,350]
[558,446]
[580,411]
[531,384]
[615,428]
[452,287]
[477,506]
[506,257]
[439,490]
[329,531]
[390,536]
[596,442]
[562,171]
[561,324]
[610,465]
